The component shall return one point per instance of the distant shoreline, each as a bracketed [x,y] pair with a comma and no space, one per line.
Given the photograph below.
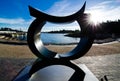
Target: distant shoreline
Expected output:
[96,42]
[13,42]
[10,40]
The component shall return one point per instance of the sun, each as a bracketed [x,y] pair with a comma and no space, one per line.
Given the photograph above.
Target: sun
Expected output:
[95,18]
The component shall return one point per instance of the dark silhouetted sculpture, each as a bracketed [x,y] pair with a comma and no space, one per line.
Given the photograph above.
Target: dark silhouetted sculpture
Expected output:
[48,58]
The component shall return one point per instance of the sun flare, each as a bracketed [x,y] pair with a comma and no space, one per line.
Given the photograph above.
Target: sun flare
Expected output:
[95,18]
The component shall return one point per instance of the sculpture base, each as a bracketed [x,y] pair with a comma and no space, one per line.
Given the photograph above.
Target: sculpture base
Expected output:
[54,73]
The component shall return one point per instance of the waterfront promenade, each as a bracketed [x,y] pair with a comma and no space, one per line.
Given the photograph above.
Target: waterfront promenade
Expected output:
[107,65]
[102,60]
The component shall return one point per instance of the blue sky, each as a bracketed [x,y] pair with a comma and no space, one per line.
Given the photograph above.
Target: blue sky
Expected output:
[15,13]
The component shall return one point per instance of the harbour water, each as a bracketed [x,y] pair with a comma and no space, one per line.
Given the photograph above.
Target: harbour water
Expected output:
[58,38]
[55,38]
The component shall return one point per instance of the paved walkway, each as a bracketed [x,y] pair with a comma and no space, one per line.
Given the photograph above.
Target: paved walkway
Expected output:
[108,65]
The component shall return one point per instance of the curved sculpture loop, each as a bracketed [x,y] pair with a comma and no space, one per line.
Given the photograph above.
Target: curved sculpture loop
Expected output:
[36,44]
[47,57]
[56,19]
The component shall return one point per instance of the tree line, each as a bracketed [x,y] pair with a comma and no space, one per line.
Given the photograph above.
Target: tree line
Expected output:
[9,29]
[108,29]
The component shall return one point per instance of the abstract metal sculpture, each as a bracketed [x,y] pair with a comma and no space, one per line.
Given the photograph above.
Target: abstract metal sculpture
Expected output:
[47,57]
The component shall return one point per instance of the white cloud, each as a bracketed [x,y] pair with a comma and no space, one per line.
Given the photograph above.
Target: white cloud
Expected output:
[101,5]
[106,10]
[58,8]
[11,21]
[69,26]
[64,7]
[109,10]
[15,23]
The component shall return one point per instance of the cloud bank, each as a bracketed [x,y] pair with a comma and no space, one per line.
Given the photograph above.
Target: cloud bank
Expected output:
[15,23]
[109,9]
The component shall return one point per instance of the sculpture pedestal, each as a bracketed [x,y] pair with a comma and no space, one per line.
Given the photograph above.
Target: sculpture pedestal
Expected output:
[54,73]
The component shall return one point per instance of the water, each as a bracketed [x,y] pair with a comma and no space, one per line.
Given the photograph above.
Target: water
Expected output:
[54,38]
[58,38]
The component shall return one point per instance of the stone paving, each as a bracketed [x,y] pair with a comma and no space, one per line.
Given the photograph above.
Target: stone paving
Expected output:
[107,65]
